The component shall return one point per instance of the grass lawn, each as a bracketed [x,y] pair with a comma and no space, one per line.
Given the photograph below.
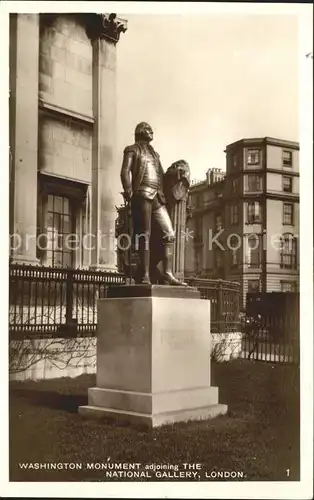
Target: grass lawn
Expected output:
[259,435]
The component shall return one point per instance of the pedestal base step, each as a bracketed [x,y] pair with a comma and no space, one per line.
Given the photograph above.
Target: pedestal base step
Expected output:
[154,420]
[153,403]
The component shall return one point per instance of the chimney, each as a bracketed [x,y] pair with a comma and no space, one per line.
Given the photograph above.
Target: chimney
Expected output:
[213,175]
[209,176]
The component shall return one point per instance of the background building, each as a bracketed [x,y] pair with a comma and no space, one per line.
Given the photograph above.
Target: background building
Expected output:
[254,211]
[207,202]
[62,137]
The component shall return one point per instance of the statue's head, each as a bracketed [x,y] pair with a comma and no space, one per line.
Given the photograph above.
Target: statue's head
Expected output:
[144,132]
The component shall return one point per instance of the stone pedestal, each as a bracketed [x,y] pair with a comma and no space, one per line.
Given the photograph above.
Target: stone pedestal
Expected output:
[153,357]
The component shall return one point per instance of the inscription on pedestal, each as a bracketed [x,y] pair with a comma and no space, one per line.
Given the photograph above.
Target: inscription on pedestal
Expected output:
[176,338]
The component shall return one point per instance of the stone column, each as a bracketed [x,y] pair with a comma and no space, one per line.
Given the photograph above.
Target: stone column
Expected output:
[105,171]
[178,218]
[24,61]
[177,183]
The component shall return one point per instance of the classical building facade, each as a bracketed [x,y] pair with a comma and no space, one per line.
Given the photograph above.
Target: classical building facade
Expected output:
[246,224]
[63,171]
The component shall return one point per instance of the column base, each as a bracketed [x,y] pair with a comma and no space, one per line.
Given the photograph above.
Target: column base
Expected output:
[24,260]
[103,268]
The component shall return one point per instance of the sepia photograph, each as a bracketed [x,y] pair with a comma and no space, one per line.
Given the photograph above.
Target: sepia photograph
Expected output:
[158,298]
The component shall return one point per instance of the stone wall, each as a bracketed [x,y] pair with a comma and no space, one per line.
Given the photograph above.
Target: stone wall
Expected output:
[226,346]
[65,87]
[63,125]
[52,358]
[65,149]
[65,65]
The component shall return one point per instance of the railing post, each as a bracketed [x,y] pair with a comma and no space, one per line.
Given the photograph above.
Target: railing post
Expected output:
[70,322]
[220,306]
[237,297]
[69,296]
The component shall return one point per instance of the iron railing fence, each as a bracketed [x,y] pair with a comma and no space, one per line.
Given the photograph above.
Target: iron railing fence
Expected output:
[45,301]
[225,303]
[58,302]
[271,327]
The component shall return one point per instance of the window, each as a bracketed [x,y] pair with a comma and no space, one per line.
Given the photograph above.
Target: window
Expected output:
[253,212]
[218,258]
[234,214]
[60,224]
[254,183]
[254,250]
[234,245]
[287,158]
[234,258]
[234,162]
[198,237]
[288,214]
[218,222]
[63,213]
[198,260]
[198,226]
[287,184]
[288,251]
[253,286]
[288,286]
[235,186]
[253,157]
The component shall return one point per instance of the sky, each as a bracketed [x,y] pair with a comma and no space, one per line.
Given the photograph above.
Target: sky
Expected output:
[205,81]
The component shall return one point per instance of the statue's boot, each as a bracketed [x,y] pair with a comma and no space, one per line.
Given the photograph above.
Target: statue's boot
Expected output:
[168,277]
[144,259]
